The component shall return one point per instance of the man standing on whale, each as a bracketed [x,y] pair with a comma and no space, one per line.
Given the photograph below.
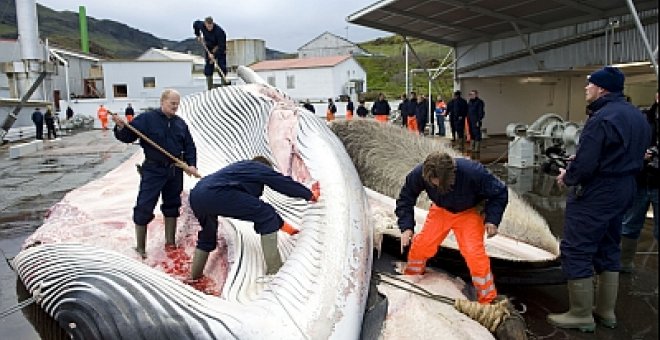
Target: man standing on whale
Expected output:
[234,192]
[215,40]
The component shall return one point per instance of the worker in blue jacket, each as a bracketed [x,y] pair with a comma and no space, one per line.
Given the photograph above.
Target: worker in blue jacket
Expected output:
[38,120]
[602,182]
[234,192]
[457,109]
[159,175]
[475,115]
[455,187]
[215,39]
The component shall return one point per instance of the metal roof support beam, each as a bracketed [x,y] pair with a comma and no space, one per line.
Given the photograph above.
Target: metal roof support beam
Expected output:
[638,23]
[489,13]
[441,67]
[431,22]
[529,48]
[547,46]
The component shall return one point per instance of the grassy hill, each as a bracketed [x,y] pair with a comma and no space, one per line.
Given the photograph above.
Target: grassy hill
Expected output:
[386,68]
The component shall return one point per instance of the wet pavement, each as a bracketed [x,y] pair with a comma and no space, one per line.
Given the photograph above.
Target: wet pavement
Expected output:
[32,184]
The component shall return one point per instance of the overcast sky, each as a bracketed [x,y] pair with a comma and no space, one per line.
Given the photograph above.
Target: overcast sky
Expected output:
[285,25]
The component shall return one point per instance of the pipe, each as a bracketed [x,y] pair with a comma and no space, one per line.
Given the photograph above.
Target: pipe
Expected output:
[66,75]
[407,82]
[638,23]
[28,29]
[84,37]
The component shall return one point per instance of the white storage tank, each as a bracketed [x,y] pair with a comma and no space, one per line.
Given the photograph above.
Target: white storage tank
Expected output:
[245,52]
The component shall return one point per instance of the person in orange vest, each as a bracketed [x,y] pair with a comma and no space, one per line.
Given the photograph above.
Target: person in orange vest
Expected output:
[455,186]
[440,111]
[349,109]
[330,112]
[103,116]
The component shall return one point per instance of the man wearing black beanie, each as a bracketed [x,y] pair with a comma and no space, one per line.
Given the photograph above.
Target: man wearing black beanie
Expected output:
[602,181]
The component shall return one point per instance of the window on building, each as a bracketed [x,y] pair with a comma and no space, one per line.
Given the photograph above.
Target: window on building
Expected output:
[271,81]
[120,90]
[149,82]
[290,82]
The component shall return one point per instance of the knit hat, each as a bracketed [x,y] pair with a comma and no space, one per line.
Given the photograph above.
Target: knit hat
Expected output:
[609,78]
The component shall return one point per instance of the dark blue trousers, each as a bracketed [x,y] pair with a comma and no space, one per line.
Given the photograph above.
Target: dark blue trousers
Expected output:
[592,229]
[207,204]
[221,59]
[156,180]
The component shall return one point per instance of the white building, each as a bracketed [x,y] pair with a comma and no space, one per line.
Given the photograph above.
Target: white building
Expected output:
[165,54]
[316,79]
[328,44]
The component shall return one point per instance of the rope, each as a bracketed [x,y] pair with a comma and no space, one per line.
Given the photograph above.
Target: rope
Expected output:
[490,316]
[17,307]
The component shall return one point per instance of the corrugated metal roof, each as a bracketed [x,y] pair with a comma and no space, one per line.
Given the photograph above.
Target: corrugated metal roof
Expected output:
[284,64]
[459,23]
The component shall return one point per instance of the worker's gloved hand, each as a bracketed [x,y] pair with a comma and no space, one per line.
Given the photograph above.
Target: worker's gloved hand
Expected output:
[316,192]
[289,229]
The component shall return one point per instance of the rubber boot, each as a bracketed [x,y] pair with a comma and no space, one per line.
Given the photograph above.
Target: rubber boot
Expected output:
[170,230]
[209,82]
[608,287]
[198,263]
[271,253]
[141,238]
[477,146]
[461,144]
[628,251]
[581,300]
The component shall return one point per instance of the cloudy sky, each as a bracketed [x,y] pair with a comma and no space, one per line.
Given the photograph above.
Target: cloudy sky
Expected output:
[285,25]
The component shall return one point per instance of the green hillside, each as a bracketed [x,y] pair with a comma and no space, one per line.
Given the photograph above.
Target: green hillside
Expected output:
[386,68]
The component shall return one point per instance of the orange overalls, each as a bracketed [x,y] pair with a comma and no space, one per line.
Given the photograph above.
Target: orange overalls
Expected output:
[329,114]
[412,124]
[468,227]
[381,118]
[349,114]
[103,117]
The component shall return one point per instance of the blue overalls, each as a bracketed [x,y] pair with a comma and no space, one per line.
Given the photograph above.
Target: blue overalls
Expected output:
[159,175]
[234,192]
[602,176]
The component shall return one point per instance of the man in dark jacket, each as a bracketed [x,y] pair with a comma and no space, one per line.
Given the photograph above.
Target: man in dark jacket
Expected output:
[362,111]
[476,114]
[457,109]
[381,109]
[648,189]
[49,118]
[215,39]
[38,120]
[411,109]
[159,175]
[602,181]
[129,113]
[422,114]
[455,186]
[403,110]
[234,192]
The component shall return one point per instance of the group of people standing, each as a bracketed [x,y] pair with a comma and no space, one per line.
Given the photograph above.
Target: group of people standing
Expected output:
[38,118]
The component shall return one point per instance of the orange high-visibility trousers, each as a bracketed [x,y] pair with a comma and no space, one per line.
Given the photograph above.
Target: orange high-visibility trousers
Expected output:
[381,118]
[412,124]
[329,116]
[468,227]
[129,118]
[349,114]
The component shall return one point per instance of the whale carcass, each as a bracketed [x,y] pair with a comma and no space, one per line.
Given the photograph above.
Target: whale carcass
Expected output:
[82,270]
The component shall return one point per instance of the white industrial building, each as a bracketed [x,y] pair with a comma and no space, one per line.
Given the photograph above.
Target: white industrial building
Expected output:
[327,45]
[530,58]
[316,79]
[244,52]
